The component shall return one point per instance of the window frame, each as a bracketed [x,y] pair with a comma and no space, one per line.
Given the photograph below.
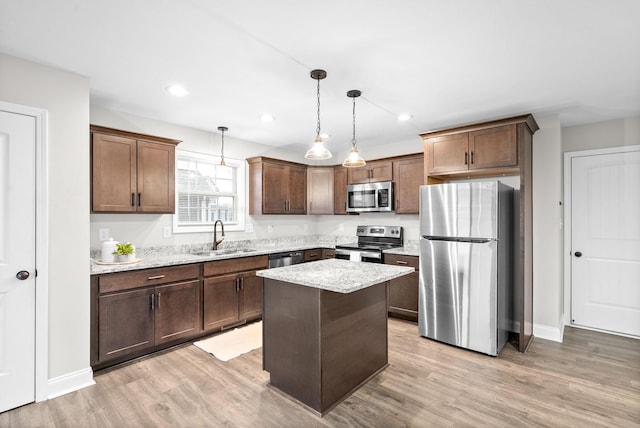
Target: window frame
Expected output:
[241,192]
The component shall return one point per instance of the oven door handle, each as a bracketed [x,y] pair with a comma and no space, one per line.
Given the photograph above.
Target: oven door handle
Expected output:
[370,255]
[363,254]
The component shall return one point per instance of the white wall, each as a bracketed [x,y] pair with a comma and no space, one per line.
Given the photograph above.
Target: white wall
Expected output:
[66,97]
[613,133]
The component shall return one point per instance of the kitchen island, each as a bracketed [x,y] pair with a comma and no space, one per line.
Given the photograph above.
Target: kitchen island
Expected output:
[325,328]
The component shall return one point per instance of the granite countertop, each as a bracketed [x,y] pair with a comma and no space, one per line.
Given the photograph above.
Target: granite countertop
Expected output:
[407,250]
[341,276]
[184,254]
[161,260]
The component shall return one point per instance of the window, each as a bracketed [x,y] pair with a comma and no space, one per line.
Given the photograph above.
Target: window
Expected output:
[206,192]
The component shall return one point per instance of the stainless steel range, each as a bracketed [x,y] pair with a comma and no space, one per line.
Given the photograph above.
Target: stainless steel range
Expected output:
[372,241]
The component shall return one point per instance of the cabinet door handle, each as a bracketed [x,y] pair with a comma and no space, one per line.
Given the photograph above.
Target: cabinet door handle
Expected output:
[133,199]
[151,278]
[466,158]
[139,198]
[241,281]
[472,158]
[153,307]
[401,262]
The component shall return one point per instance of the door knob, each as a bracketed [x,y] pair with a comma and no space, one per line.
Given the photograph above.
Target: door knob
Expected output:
[578,254]
[22,275]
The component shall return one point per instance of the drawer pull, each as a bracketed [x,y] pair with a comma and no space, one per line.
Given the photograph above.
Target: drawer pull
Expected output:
[151,278]
[401,262]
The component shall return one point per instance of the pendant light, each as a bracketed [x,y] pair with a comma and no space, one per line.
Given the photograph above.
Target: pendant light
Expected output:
[222,129]
[318,151]
[354,160]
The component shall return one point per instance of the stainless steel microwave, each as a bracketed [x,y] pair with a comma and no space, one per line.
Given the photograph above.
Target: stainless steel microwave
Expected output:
[370,197]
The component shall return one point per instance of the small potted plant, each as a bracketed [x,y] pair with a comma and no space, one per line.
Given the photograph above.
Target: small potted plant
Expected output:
[125,252]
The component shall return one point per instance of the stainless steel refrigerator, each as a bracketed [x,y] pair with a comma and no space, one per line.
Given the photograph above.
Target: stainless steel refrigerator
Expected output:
[465,264]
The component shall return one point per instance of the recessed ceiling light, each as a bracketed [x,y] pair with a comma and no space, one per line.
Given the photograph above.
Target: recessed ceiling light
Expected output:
[266,118]
[177,91]
[404,117]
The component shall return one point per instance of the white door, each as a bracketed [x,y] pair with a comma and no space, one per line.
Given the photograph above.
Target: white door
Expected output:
[17,260]
[605,242]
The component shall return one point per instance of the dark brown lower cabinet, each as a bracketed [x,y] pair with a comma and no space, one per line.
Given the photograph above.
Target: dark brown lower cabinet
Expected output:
[135,320]
[126,323]
[229,299]
[403,291]
[232,296]
[138,312]
[134,313]
[220,298]
[250,301]
[177,311]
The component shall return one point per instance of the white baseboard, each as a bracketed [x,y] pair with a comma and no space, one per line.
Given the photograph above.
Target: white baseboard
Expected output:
[548,332]
[70,382]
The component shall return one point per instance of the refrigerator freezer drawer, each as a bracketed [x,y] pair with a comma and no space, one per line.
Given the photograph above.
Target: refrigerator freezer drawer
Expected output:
[458,293]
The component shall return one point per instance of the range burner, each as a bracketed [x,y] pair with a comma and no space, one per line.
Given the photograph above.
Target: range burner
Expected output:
[372,241]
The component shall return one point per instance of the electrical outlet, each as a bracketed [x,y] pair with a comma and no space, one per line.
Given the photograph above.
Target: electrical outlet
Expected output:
[103,234]
[270,228]
[166,232]
[248,227]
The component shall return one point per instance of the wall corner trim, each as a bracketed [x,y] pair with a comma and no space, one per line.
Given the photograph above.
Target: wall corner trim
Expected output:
[549,332]
[70,382]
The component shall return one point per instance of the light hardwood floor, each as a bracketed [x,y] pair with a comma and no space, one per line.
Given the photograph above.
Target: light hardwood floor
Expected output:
[590,380]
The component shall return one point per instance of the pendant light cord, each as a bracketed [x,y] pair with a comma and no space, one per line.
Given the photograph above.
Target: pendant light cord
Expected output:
[353,140]
[222,152]
[318,94]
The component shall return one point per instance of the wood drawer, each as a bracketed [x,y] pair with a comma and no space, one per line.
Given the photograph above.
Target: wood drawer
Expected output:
[147,277]
[400,260]
[328,253]
[311,255]
[220,267]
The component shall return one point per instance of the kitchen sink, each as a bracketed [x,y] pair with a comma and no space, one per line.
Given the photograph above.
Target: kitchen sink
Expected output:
[224,251]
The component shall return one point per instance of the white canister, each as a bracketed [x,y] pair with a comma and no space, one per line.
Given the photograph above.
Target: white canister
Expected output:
[108,247]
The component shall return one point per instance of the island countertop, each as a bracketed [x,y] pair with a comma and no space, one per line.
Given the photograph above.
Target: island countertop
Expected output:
[341,276]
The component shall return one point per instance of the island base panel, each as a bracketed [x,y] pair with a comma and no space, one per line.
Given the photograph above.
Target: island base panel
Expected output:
[319,346]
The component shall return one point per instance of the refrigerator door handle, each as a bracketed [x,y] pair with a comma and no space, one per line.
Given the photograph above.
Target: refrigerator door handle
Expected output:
[450,239]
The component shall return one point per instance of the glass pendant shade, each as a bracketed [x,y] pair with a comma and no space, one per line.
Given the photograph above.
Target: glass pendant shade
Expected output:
[354,159]
[318,151]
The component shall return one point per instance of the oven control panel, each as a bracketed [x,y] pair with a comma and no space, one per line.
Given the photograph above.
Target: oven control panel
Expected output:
[380,231]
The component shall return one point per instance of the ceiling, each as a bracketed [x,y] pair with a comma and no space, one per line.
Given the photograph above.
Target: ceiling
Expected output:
[443,62]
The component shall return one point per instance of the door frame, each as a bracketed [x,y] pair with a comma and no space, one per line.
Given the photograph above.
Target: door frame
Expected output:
[568,157]
[42,244]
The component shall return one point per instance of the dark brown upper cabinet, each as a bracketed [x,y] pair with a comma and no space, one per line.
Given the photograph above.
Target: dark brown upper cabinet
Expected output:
[485,151]
[372,172]
[131,173]
[277,187]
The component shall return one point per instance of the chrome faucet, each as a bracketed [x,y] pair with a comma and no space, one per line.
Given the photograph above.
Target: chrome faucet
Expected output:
[215,234]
